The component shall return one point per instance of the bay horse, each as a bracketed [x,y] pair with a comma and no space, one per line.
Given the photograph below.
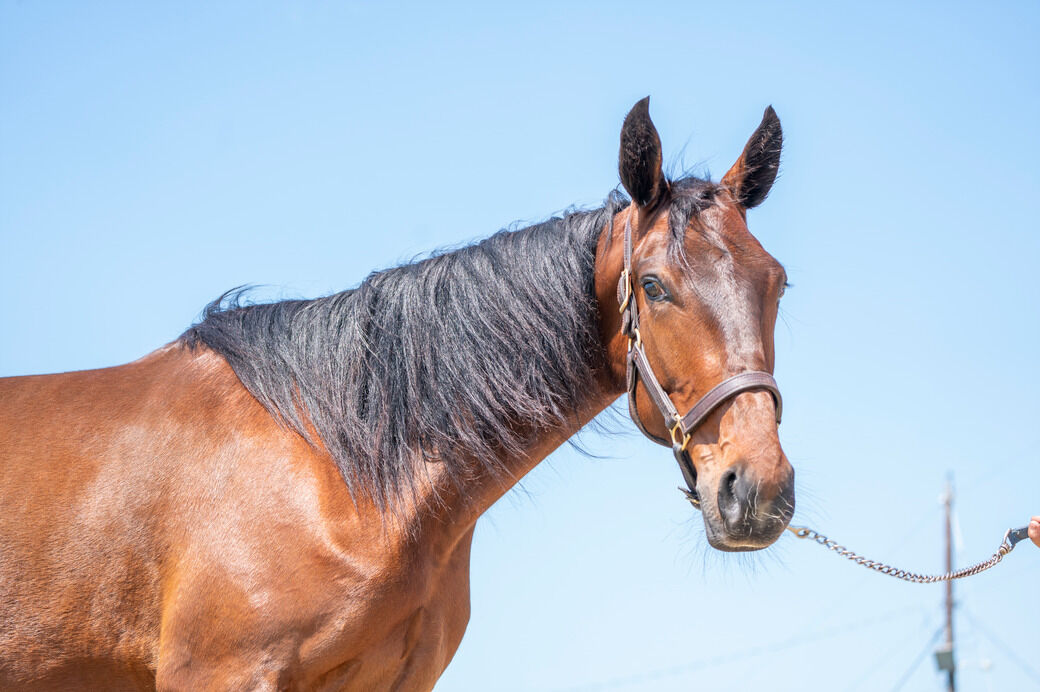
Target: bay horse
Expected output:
[285,496]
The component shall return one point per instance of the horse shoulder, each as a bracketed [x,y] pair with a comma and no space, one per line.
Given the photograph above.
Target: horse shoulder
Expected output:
[292,579]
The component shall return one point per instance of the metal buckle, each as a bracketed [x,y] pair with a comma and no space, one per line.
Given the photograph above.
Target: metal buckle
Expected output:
[628,290]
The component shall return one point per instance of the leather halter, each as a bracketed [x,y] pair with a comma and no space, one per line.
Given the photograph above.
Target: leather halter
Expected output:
[638,368]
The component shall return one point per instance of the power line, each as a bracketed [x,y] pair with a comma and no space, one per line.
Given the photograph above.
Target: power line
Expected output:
[789,643]
[1028,669]
[917,659]
[886,655]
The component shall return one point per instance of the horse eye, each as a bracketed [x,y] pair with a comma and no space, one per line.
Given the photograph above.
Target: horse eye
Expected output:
[654,290]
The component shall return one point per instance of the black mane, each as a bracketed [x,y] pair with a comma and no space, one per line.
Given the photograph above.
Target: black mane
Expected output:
[439,359]
[458,358]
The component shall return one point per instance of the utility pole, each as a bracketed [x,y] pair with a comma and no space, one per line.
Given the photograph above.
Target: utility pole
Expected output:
[944,653]
[951,683]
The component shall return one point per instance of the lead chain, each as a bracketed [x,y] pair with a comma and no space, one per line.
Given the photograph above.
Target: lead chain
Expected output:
[1006,546]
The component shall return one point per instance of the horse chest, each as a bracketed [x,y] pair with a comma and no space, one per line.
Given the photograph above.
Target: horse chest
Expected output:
[347,622]
[396,629]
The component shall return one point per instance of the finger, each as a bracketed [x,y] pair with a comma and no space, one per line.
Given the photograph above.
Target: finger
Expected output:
[1034,530]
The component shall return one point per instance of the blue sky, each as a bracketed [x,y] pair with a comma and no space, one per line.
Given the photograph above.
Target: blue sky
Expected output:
[154,155]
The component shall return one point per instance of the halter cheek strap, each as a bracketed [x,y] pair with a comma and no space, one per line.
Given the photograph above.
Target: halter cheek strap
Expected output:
[638,369]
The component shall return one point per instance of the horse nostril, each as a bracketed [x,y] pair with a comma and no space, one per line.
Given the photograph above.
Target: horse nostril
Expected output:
[728,502]
[731,482]
[733,500]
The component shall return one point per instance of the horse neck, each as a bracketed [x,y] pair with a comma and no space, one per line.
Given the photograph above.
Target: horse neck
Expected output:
[444,511]
[444,507]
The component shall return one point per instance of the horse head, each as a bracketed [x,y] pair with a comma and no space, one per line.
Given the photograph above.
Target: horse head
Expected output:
[698,298]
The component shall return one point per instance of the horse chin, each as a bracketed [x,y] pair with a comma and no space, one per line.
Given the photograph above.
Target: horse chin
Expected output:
[719,540]
[722,539]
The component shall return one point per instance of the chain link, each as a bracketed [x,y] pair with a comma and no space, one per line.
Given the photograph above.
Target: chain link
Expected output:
[1006,547]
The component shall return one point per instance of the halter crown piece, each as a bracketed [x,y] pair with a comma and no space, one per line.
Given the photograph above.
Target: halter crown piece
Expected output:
[638,368]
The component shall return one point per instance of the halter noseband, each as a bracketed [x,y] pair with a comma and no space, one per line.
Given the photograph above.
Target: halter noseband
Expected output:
[638,367]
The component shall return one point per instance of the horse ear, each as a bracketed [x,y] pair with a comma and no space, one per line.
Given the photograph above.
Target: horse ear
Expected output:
[753,174]
[639,161]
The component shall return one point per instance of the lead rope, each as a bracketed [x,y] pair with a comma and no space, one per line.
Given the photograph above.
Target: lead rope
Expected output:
[1011,538]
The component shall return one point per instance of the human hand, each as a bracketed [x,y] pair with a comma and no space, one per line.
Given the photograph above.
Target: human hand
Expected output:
[1034,531]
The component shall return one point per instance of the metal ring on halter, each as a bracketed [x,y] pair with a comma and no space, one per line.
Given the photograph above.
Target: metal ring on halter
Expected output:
[676,444]
[635,341]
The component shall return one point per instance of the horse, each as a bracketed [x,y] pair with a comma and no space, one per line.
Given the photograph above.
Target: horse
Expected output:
[285,496]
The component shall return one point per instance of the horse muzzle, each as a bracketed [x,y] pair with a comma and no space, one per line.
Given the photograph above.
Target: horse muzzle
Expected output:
[745,509]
